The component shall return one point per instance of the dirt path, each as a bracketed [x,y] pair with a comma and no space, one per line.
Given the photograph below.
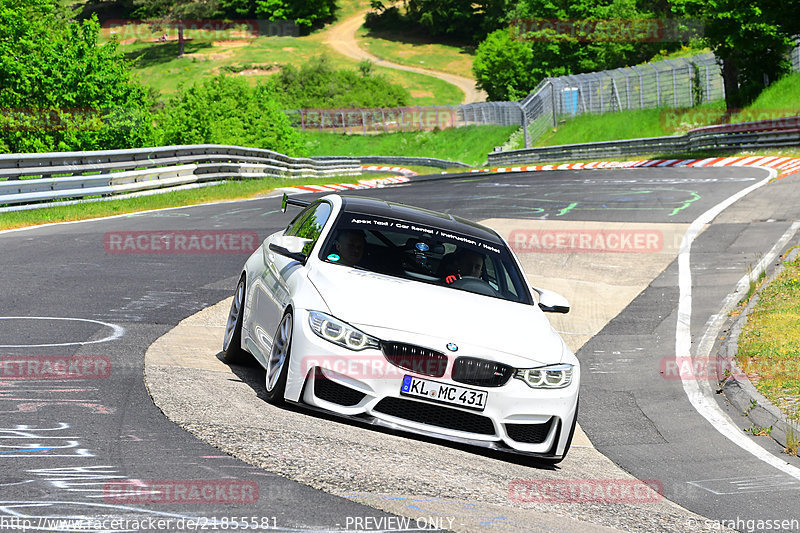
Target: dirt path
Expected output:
[341,37]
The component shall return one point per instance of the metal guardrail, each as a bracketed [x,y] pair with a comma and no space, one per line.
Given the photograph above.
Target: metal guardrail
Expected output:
[30,178]
[739,136]
[397,160]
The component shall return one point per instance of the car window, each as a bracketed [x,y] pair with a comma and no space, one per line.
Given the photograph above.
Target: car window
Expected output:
[425,254]
[309,224]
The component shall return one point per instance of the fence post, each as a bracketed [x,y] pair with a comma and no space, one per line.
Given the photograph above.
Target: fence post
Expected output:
[322,119]
[658,86]
[674,83]
[553,103]
[363,123]
[524,121]
[600,93]
[627,89]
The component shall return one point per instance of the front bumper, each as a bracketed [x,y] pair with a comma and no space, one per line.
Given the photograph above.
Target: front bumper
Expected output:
[366,386]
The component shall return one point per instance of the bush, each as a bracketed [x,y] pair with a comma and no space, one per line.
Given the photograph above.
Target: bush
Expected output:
[318,84]
[225,110]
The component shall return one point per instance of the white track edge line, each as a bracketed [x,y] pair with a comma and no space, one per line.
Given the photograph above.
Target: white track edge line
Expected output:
[701,400]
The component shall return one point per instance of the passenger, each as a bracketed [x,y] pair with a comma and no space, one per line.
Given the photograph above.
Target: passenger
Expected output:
[464,263]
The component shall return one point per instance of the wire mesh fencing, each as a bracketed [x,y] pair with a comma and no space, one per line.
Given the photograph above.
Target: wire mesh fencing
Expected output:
[421,118]
[675,83]
[796,57]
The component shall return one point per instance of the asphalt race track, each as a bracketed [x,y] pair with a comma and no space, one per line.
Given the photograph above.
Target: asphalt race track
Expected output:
[67,444]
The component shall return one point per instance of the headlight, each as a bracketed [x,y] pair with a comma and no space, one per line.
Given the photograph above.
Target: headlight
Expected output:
[546,377]
[334,330]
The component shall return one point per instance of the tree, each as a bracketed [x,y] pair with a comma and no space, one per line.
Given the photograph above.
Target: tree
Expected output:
[176,14]
[59,90]
[504,67]
[307,14]
[750,39]
[469,20]
[548,38]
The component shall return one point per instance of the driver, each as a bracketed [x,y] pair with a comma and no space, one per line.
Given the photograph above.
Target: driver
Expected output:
[350,246]
[465,263]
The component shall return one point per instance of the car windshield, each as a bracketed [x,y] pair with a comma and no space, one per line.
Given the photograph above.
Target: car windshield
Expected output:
[424,253]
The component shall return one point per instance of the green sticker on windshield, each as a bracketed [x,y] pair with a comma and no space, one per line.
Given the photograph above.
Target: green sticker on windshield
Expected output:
[333,257]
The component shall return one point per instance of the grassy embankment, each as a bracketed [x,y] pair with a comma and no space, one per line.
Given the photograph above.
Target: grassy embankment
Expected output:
[780,99]
[769,346]
[468,145]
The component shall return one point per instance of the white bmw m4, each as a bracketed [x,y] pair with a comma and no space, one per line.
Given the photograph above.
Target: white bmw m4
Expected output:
[408,319]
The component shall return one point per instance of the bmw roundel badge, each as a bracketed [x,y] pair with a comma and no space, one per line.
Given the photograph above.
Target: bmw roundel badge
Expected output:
[452,346]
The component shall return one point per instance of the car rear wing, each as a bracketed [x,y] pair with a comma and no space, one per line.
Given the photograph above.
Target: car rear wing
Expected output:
[292,201]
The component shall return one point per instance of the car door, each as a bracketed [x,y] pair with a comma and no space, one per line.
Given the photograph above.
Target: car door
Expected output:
[273,293]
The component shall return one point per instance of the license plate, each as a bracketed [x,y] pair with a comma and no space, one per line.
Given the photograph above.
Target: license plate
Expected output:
[443,393]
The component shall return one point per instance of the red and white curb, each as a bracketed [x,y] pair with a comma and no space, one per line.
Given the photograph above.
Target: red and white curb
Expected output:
[362,184]
[786,165]
[398,170]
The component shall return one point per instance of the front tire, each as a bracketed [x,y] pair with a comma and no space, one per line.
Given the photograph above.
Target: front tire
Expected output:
[232,350]
[278,362]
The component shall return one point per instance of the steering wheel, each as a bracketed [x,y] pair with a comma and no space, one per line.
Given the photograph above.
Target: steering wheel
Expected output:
[476,285]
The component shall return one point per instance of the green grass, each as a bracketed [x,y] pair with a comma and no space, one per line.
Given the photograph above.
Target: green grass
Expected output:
[683,51]
[231,190]
[631,124]
[781,99]
[210,53]
[417,50]
[468,145]
[769,346]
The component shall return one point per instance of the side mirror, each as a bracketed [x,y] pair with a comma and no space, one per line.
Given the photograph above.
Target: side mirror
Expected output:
[551,302]
[290,246]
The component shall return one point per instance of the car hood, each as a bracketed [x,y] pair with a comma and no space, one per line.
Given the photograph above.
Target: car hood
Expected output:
[379,304]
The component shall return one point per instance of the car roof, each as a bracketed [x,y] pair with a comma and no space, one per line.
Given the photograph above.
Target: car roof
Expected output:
[407,213]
